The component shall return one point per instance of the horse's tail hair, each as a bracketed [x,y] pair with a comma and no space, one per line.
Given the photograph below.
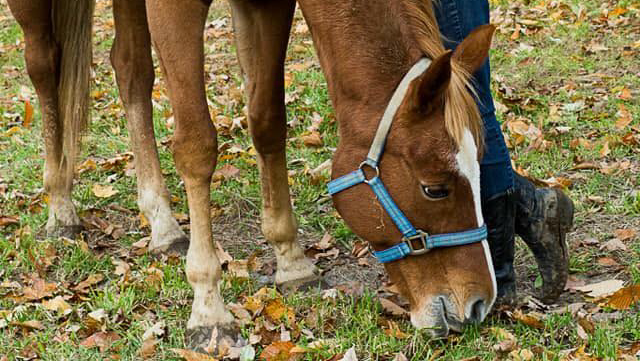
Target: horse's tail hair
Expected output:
[72,28]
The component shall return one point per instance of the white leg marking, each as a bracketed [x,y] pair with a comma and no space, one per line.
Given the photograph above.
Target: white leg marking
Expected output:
[155,207]
[280,231]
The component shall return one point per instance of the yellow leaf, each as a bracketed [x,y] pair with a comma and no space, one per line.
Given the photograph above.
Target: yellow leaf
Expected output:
[28,114]
[101,191]
[624,298]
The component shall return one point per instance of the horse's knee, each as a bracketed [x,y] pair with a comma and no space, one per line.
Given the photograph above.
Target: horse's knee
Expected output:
[195,150]
[42,57]
[134,69]
[267,123]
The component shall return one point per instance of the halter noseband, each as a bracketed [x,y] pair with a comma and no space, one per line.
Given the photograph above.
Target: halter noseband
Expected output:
[414,241]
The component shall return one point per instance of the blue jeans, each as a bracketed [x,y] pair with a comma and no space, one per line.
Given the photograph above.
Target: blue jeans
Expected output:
[456,19]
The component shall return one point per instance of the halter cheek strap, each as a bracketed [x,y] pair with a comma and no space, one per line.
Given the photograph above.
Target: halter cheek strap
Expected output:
[414,241]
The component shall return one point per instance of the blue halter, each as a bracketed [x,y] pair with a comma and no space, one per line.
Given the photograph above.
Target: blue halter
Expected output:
[414,241]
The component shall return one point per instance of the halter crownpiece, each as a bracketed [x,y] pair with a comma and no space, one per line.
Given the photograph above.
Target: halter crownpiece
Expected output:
[414,241]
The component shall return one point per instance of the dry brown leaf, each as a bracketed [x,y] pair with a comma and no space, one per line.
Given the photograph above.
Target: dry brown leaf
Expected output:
[57,304]
[189,355]
[30,325]
[614,245]
[325,243]
[93,279]
[227,171]
[39,290]
[391,308]
[607,262]
[312,140]
[521,355]
[101,340]
[280,351]
[531,319]
[8,220]
[600,289]
[103,191]
[276,310]
[625,234]
[625,298]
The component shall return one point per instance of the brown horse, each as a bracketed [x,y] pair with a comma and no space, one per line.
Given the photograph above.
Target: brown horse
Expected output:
[430,163]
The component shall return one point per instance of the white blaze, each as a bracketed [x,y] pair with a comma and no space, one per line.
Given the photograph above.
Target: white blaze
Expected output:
[469,167]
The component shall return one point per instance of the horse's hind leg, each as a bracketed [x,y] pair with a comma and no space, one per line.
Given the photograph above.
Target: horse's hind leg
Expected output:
[131,58]
[177,29]
[42,57]
[262,33]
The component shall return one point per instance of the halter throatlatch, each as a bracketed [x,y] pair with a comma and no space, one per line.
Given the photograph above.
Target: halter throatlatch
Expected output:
[414,241]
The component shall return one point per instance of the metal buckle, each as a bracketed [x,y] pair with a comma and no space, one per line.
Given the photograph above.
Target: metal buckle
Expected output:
[422,236]
[366,162]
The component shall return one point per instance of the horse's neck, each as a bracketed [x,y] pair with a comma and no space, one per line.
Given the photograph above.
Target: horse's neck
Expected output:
[364,49]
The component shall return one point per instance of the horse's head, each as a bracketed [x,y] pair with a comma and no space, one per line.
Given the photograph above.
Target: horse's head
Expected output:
[434,178]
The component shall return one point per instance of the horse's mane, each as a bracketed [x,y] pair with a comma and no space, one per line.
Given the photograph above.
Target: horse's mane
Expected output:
[461,110]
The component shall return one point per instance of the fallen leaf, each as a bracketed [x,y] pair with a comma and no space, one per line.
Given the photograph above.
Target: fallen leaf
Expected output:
[391,308]
[148,348]
[189,355]
[624,298]
[8,220]
[531,319]
[607,262]
[39,290]
[57,304]
[521,355]
[122,267]
[155,331]
[101,191]
[101,340]
[614,245]
[600,289]
[279,351]
[624,234]
[312,140]
[227,171]
[400,357]
[276,310]
[350,355]
[28,114]
[30,325]
[83,287]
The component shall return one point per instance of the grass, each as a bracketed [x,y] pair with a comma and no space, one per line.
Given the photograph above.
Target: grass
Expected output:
[543,80]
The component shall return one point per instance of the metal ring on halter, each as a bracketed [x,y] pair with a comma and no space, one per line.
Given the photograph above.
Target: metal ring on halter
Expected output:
[423,237]
[370,166]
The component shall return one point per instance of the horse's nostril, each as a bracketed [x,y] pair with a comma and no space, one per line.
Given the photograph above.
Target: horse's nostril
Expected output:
[478,310]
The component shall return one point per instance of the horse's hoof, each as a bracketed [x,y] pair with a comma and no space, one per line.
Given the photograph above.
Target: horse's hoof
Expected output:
[215,339]
[178,246]
[311,284]
[65,231]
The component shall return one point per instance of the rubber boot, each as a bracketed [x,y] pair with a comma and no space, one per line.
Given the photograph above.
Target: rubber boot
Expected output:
[499,215]
[543,218]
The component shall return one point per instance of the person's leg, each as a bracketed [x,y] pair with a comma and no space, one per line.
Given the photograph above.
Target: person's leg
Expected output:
[509,203]
[456,19]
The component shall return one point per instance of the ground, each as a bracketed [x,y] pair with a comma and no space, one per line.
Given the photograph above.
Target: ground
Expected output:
[566,75]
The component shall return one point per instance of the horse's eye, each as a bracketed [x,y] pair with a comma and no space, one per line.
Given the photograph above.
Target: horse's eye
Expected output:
[435,193]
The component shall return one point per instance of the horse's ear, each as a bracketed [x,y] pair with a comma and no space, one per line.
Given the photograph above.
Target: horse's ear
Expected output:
[474,49]
[430,86]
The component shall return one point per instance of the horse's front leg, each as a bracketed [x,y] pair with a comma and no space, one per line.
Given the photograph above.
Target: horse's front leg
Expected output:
[262,33]
[177,29]
[131,58]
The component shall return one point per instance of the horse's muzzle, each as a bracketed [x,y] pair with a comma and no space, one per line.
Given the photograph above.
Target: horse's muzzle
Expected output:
[441,315]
